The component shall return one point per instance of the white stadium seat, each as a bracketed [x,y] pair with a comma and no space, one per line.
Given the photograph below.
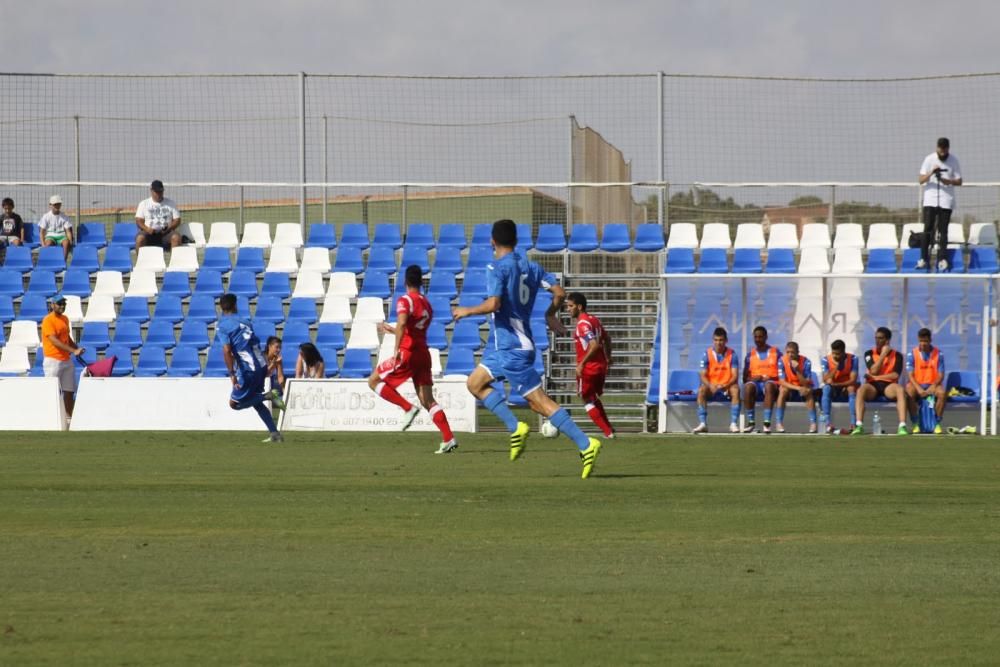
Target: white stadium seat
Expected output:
[849,235]
[783,235]
[364,335]
[101,308]
[109,283]
[283,260]
[142,283]
[256,235]
[309,284]
[956,234]
[184,259]
[14,360]
[983,233]
[288,234]
[194,231]
[848,260]
[715,235]
[682,235]
[815,235]
[910,228]
[74,309]
[316,259]
[222,235]
[150,258]
[342,283]
[336,309]
[750,235]
[387,347]
[24,333]
[882,235]
[814,260]
[370,309]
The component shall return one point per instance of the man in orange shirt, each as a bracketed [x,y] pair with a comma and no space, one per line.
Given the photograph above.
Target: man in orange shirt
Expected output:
[59,348]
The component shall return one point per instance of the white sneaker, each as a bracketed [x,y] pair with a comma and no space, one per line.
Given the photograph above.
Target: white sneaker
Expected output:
[408,418]
[943,265]
[702,427]
[921,264]
[274,437]
[829,429]
[779,428]
[766,429]
[813,428]
[734,428]
[447,447]
[750,427]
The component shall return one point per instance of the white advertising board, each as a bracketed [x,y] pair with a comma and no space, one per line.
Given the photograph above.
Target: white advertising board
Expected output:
[35,404]
[350,405]
[159,404]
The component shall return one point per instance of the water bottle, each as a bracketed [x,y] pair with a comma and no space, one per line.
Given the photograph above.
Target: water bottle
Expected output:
[876,425]
[822,423]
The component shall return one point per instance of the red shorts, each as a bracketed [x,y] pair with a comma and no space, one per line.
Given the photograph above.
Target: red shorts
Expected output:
[416,365]
[590,385]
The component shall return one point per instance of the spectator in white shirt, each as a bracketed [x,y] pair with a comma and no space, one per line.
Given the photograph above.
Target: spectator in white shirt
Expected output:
[157,219]
[939,174]
[56,228]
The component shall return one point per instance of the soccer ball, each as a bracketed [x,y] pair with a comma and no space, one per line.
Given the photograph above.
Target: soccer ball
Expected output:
[548,430]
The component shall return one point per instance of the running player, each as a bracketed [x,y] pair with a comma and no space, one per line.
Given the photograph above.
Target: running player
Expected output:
[719,370]
[760,379]
[512,285]
[840,379]
[593,357]
[795,381]
[411,359]
[246,365]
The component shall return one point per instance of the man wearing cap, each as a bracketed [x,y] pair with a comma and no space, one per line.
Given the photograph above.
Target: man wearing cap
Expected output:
[59,349]
[157,219]
[56,228]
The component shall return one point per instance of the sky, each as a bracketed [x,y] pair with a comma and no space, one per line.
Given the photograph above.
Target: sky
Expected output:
[849,38]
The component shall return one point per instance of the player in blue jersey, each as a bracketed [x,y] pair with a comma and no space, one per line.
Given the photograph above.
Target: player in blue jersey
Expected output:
[512,284]
[246,365]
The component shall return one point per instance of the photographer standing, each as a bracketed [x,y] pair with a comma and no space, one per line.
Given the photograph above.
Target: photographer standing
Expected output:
[939,174]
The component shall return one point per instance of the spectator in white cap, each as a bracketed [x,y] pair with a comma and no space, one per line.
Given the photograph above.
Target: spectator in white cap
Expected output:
[157,219]
[56,228]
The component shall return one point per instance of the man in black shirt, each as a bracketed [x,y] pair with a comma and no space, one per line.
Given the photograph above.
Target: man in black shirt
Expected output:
[11,225]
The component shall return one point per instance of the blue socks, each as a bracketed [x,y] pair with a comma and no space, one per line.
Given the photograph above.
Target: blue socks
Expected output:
[750,416]
[496,404]
[781,415]
[851,400]
[826,402]
[734,414]
[767,415]
[562,421]
[702,414]
[812,416]
[265,416]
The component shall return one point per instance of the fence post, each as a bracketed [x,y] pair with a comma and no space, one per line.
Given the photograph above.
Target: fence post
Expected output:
[326,165]
[661,170]
[242,200]
[76,126]
[569,195]
[830,211]
[302,151]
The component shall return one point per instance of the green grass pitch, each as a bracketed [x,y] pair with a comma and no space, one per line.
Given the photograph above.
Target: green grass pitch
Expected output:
[211,548]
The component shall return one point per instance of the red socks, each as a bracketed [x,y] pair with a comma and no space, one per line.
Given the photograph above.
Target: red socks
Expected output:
[391,395]
[441,421]
[595,410]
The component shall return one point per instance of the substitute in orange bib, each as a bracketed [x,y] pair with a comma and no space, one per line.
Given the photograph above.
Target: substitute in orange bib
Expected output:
[760,379]
[719,371]
[840,379]
[593,357]
[925,368]
[884,365]
[795,380]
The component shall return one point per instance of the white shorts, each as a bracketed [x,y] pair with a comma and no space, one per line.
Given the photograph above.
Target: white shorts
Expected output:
[53,368]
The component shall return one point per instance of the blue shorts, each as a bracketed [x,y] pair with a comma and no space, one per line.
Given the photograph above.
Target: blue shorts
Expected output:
[760,385]
[251,384]
[519,368]
[491,362]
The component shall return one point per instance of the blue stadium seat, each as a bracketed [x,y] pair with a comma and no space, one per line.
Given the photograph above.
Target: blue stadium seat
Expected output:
[11,283]
[983,260]
[442,284]
[168,308]
[780,260]
[376,283]
[123,364]
[322,235]
[128,333]
[909,263]
[6,309]
[649,238]
[195,332]
[303,309]
[123,235]
[92,234]
[956,260]
[539,333]
[680,260]
[881,260]
[746,260]
[31,235]
[217,259]
[76,282]
[289,357]
[330,367]
[137,308]
[436,337]
[616,237]
[420,235]
[95,335]
[466,334]
[176,283]
[41,282]
[387,234]
[263,329]
[357,364]
[294,334]
[276,284]
[474,283]
[85,258]
[479,257]
[583,238]
[542,302]
[482,233]
[215,364]
[34,307]
[184,362]
[682,385]
[471,300]
[382,258]
[160,334]
[525,242]
[118,258]
[269,308]
[551,238]
[713,260]
[415,254]
[349,259]
[460,361]
[243,283]
[441,307]
[448,260]
[354,234]
[452,236]
[202,309]
[37,369]
[50,258]
[968,379]
[152,362]
[249,259]
[330,335]
[18,258]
